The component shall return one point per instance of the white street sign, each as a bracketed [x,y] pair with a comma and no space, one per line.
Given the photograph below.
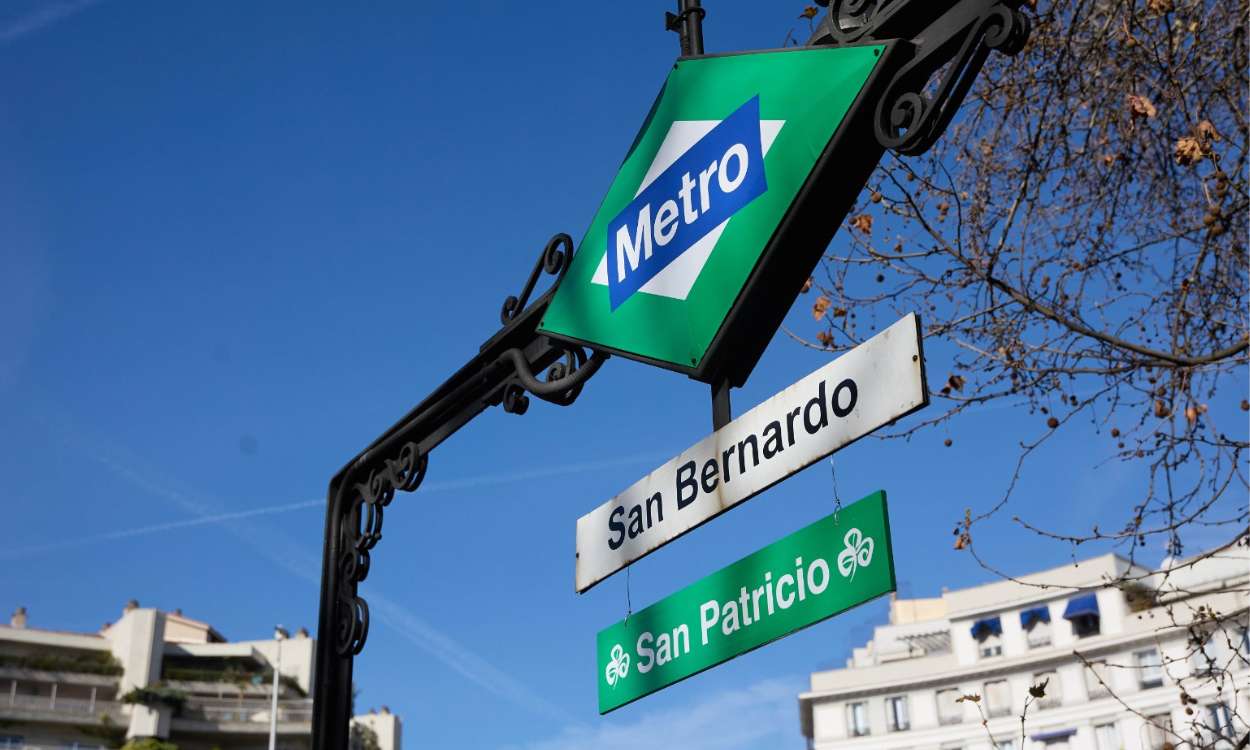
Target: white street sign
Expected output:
[865,389]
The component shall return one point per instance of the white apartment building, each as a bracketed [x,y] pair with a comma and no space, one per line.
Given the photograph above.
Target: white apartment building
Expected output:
[158,674]
[1115,659]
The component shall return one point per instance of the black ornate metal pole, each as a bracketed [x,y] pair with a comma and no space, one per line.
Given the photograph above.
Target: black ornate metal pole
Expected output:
[955,35]
[688,23]
[502,374]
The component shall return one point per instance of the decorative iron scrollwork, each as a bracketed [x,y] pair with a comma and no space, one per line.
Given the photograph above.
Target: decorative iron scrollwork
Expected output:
[957,35]
[908,120]
[848,21]
[564,379]
[556,258]
[360,530]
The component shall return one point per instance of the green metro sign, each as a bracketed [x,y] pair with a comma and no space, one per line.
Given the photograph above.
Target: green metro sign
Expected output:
[731,191]
[836,563]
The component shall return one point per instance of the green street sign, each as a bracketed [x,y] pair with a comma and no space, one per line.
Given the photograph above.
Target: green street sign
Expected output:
[839,562]
[732,189]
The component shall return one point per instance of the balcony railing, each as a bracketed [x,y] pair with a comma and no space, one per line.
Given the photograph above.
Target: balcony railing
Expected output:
[250,711]
[78,746]
[58,706]
[42,746]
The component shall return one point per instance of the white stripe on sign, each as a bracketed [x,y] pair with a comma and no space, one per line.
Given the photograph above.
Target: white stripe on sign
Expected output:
[865,389]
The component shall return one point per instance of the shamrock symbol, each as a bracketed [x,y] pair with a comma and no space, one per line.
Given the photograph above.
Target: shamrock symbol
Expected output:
[618,668]
[858,552]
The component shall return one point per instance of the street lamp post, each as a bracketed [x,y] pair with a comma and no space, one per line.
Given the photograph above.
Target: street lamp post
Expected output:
[279,635]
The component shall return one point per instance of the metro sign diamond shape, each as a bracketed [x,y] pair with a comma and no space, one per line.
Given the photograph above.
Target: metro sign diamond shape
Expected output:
[707,232]
[706,200]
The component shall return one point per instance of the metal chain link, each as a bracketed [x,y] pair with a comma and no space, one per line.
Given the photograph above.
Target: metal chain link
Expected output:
[837,499]
[629,606]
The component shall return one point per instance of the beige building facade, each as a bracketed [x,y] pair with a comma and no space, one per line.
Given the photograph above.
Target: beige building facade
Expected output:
[158,674]
[1115,658]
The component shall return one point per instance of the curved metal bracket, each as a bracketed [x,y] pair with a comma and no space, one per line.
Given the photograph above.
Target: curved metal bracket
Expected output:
[555,259]
[957,35]
[564,379]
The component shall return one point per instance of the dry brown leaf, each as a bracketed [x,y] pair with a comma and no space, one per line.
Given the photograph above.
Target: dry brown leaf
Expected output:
[807,286]
[1140,106]
[1206,131]
[863,223]
[819,308]
[809,12]
[1188,151]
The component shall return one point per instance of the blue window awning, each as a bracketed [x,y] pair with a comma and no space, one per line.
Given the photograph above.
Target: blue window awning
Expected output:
[1030,617]
[1052,736]
[1081,606]
[982,629]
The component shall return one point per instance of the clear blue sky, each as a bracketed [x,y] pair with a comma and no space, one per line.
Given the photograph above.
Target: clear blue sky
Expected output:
[238,240]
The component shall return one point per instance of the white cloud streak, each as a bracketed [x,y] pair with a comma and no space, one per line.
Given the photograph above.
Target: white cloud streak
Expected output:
[46,14]
[760,716]
[13,553]
[208,519]
[295,558]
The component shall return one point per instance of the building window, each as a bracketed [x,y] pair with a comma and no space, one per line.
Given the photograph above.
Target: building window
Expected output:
[1036,624]
[991,646]
[1054,694]
[15,741]
[1217,652]
[896,713]
[1082,612]
[997,698]
[950,710]
[1220,721]
[1159,732]
[1107,737]
[1005,745]
[857,719]
[988,634]
[1039,635]
[1084,627]
[1149,668]
[1097,681]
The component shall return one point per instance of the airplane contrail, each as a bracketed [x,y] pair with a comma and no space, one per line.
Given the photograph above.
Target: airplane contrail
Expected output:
[47,14]
[12,553]
[206,519]
[283,551]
